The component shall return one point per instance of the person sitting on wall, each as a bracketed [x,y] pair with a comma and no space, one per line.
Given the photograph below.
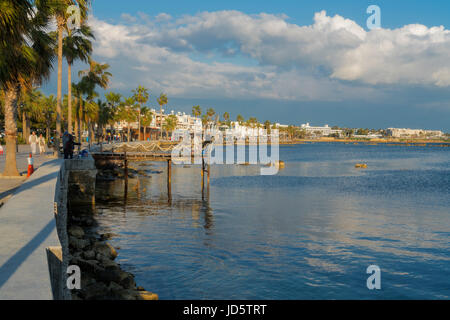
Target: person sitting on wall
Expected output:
[69,145]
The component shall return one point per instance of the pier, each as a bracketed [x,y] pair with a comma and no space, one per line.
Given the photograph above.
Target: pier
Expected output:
[155,151]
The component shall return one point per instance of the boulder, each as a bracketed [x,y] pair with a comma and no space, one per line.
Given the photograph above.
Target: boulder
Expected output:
[95,291]
[78,244]
[105,249]
[145,295]
[128,282]
[107,236]
[89,255]
[76,231]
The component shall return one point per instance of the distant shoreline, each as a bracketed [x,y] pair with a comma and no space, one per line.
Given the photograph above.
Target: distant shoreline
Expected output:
[369,141]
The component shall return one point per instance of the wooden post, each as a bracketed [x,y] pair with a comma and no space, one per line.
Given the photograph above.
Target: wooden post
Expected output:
[125,163]
[169,178]
[209,173]
[203,174]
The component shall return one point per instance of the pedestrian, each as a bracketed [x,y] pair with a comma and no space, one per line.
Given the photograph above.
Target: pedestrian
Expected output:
[33,140]
[41,142]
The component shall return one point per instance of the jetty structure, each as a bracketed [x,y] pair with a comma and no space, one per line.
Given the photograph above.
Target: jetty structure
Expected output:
[149,151]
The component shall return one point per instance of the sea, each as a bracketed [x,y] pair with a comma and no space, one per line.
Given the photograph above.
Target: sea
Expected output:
[309,232]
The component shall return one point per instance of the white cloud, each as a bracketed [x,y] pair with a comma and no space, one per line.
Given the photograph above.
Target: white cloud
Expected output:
[293,62]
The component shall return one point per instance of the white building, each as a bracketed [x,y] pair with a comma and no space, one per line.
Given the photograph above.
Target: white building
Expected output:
[320,131]
[408,133]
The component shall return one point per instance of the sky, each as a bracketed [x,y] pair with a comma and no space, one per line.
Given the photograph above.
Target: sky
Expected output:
[285,61]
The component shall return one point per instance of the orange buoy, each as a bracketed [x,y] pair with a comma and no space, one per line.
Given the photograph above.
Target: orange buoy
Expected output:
[30,166]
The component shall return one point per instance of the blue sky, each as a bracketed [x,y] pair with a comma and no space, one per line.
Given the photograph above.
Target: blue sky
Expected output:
[286,61]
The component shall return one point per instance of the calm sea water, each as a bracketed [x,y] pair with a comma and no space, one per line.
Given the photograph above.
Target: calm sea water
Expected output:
[309,232]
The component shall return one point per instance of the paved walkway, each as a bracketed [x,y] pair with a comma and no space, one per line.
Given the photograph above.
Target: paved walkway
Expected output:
[27,227]
[8,186]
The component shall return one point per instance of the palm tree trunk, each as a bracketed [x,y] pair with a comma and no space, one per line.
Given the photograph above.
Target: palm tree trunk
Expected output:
[60,20]
[47,132]
[128,135]
[139,125]
[76,122]
[80,114]
[145,132]
[161,118]
[24,127]
[69,98]
[11,97]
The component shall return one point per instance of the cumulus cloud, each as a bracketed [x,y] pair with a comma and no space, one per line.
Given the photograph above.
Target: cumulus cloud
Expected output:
[332,59]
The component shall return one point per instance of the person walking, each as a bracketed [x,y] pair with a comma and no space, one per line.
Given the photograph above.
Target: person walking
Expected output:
[41,143]
[33,140]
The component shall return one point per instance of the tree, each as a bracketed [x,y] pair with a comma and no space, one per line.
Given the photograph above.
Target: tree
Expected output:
[196,111]
[240,119]
[267,126]
[170,124]
[26,55]
[210,113]
[76,46]
[96,75]
[140,95]
[162,100]
[147,117]
[105,116]
[226,118]
[60,11]
[127,112]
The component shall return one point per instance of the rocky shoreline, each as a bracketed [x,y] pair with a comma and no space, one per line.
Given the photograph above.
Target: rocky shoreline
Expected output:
[101,277]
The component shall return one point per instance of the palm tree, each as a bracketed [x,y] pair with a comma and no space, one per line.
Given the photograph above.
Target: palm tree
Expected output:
[267,126]
[240,119]
[28,102]
[96,75]
[60,9]
[162,100]
[105,115]
[170,124]
[76,46]
[147,117]
[127,112]
[48,111]
[140,95]
[25,59]
[226,117]
[196,111]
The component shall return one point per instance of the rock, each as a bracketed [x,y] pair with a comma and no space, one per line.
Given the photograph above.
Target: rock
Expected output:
[89,255]
[78,244]
[145,295]
[76,297]
[112,275]
[140,288]
[95,291]
[128,282]
[90,266]
[107,236]
[105,249]
[114,287]
[76,232]
[127,295]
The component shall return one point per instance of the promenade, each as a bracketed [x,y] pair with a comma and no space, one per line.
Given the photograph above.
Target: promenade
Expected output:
[8,186]
[27,227]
